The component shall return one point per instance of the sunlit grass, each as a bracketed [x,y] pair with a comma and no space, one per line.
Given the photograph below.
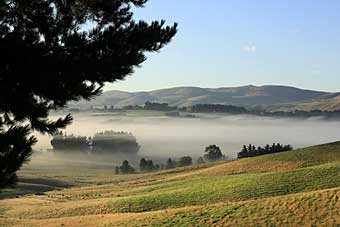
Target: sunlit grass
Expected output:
[319,208]
[234,193]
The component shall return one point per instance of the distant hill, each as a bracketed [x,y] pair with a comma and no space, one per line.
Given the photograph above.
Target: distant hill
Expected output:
[275,97]
[326,104]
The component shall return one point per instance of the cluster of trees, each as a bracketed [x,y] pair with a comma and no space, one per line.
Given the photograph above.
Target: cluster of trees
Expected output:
[132,107]
[252,151]
[117,142]
[231,109]
[147,106]
[212,154]
[218,108]
[146,165]
[199,108]
[158,106]
[102,142]
[125,168]
[184,161]
[62,141]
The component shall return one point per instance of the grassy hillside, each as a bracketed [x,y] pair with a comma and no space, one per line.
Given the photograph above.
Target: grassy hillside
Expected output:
[326,104]
[300,187]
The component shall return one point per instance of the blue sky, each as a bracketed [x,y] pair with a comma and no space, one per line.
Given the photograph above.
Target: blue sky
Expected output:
[222,43]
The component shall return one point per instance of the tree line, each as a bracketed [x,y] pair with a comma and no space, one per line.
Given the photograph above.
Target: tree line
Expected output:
[221,108]
[147,165]
[218,108]
[212,153]
[101,142]
[252,151]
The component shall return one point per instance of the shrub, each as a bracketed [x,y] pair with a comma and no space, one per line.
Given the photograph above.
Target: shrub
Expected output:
[185,161]
[125,168]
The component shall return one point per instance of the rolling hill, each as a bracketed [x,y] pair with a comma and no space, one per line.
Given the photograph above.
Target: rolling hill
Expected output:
[326,104]
[249,96]
[295,188]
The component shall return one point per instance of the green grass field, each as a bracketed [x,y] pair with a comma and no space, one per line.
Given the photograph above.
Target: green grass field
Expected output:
[296,188]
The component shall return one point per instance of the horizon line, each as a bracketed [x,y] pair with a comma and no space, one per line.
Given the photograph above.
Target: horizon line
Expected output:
[236,86]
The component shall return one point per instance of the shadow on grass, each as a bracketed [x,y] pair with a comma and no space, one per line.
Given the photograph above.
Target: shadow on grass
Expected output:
[28,186]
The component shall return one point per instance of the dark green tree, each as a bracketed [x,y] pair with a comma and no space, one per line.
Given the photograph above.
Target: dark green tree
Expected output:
[125,168]
[148,166]
[244,149]
[185,161]
[12,157]
[56,51]
[142,165]
[170,164]
[213,153]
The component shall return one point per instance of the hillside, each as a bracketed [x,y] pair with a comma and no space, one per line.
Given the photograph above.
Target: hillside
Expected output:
[187,96]
[296,188]
[326,104]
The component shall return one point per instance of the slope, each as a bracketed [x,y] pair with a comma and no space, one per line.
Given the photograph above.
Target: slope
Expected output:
[187,96]
[228,193]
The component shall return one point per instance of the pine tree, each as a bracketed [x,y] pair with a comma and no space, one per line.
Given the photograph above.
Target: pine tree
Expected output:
[14,156]
[57,51]
[244,149]
[142,165]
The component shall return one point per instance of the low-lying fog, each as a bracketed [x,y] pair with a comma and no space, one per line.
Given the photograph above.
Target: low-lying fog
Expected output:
[163,137]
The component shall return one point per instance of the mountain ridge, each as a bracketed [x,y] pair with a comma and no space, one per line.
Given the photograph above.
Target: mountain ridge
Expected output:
[267,96]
